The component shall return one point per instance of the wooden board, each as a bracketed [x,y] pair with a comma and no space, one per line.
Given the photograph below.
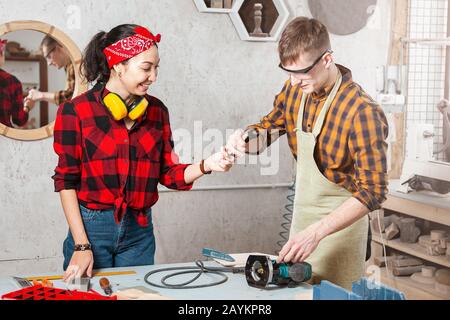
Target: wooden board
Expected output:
[397,146]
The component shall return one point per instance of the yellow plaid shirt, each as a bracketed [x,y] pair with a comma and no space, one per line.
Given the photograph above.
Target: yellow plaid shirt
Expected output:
[66,94]
[351,149]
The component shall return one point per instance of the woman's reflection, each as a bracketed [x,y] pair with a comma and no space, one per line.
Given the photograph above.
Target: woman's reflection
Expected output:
[56,56]
[12,112]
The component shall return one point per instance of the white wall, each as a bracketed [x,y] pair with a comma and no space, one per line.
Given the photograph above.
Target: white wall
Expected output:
[207,73]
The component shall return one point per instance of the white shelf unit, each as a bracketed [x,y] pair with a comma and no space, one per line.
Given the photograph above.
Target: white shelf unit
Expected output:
[422,206]
[283,17]
[201,7]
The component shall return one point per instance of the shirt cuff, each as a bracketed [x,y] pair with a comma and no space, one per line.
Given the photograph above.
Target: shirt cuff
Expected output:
[68,182]
[368,199]
[174,178]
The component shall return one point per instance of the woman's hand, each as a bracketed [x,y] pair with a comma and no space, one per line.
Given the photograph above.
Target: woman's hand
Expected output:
[81,263]
[34,95]
[220,162]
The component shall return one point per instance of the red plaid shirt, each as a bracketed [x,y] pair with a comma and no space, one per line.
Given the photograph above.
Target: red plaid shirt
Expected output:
[11,101]
[109,165]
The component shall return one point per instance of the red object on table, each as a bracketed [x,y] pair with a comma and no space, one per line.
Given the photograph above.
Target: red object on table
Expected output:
[39,292]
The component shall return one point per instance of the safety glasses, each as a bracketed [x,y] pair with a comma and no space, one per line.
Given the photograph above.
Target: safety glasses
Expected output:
[306,70]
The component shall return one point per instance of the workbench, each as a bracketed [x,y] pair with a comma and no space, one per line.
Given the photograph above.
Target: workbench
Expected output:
[236,288]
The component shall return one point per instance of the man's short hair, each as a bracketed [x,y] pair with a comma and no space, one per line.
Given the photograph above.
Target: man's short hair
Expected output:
[49,42]
[303,35]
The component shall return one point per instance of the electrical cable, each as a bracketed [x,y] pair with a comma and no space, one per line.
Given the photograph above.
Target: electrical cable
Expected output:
[287,217]
[200,269]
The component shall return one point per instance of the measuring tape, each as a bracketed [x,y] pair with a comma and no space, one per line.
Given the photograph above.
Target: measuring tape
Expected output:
[98,274]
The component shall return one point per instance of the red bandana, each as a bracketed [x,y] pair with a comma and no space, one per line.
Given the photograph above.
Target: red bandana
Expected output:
[129,47]
[2,44]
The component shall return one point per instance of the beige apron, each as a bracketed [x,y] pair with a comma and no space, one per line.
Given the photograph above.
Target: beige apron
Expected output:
[340,257]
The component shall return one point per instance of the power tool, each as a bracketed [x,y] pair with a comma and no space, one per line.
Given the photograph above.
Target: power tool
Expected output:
[261,272]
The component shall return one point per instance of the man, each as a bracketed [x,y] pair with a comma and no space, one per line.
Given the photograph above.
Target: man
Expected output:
[56,55]
[12,112]
[337,134]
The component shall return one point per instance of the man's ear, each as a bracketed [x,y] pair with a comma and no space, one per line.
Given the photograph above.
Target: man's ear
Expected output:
[328,61]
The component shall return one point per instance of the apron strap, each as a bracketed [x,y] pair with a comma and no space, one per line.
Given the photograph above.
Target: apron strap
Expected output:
[301,113]
[321,118]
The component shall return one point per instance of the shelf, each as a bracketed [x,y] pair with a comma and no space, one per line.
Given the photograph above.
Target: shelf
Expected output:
[422,205]
[419,205]
[202,7]
[410,288]
[413,249]
[280,22]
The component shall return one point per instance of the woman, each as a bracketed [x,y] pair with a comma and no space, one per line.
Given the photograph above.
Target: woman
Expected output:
[12,111]
[115,144]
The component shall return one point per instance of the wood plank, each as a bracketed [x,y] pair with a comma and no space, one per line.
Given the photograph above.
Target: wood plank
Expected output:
[397,146]
[417,209]
[96,274]
[411,290]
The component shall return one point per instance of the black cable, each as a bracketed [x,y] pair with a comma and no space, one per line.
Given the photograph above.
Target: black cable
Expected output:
[287,218]
[200,269]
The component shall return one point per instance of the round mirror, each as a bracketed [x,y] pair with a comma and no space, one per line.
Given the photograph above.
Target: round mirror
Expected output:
[39,70]
[342,17]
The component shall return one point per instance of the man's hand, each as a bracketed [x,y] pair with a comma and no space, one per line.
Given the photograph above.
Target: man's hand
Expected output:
[221,161]
[28,105]
[300,246]
[236,143]
[81,262]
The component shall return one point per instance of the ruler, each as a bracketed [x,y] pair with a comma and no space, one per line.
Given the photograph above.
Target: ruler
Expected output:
[98,274]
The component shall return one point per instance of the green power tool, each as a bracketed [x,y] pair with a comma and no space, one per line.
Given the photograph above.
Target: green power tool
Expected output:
[261,271]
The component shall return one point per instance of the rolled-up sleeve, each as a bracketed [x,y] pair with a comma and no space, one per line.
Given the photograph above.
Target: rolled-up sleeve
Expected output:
[172,172]
[272,125]
[67,145]
[368,148]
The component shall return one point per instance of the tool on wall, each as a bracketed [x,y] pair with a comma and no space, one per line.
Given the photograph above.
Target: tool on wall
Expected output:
[420,170]
[261,272]
[444,108]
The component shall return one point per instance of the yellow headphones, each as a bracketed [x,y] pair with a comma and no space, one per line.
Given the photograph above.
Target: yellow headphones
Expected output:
[119,109]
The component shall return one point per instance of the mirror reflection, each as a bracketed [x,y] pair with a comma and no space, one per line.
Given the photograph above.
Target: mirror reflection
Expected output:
[37,75]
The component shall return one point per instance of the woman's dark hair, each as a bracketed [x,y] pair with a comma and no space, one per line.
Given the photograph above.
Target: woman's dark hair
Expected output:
[94,65]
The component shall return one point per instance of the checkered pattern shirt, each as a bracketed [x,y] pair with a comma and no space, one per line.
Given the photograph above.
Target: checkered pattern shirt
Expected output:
[11,101]
[351,150]
[110,166]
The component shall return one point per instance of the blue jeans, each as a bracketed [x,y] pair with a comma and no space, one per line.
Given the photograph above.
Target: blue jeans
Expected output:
[115,245]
